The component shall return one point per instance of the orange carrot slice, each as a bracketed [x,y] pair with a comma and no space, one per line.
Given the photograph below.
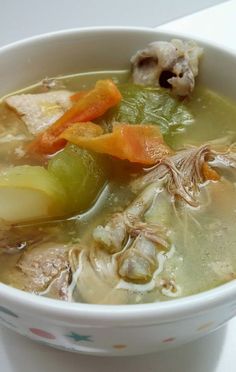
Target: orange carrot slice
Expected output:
[75,97]
[92,105]
[137,143]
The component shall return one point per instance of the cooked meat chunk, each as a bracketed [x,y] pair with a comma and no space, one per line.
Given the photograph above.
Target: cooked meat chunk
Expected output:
[39,111]
[94,275]
[113,236]
[43,264]
[171,65]
[182,174]
[58,288]
[138,263]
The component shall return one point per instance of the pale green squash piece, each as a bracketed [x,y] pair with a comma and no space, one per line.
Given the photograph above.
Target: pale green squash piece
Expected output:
[82,174]
[29,193]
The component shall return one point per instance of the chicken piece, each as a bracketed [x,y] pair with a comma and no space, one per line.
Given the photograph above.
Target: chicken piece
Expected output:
[58,288]
[42,265]
[113,236]
[135,243]
[138,263]
[171,65]
[39,111]
[94,276]
[181,173]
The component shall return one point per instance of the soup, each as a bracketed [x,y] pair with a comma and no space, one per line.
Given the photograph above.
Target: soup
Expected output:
[118,187]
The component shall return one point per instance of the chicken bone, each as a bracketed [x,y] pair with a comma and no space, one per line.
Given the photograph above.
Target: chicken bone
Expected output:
[171,65]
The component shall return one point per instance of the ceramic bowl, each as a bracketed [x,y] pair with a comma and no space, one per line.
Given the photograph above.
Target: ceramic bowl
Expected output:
[100,329]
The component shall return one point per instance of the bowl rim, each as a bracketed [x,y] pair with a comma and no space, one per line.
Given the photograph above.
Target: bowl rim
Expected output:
[135,314]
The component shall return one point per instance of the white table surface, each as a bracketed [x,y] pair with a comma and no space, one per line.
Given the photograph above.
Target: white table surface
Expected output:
[22,18]
[214,353]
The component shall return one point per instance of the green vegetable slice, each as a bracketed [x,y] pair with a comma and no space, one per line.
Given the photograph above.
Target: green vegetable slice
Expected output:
[141,105]
[81,173]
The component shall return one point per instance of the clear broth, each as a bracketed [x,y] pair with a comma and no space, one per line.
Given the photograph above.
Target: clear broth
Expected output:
[204,252]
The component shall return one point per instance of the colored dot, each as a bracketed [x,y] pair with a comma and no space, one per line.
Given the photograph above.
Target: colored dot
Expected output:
[78,337]
[170,339]
[43,334]
[119,346]
[205,326]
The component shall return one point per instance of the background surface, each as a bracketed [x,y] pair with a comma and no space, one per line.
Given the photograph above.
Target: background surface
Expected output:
[214,353]
[23,18]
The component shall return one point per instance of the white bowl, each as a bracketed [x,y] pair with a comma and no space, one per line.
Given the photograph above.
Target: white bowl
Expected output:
[101,329]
